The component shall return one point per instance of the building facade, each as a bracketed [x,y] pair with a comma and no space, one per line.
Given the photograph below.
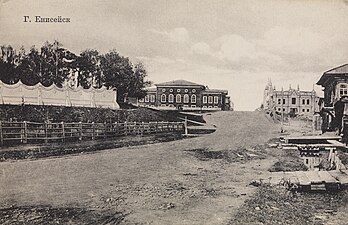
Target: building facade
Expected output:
[185,95]
[292,102]
[334,109]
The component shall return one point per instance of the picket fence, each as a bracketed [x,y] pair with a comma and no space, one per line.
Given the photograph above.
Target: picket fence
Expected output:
[28,132]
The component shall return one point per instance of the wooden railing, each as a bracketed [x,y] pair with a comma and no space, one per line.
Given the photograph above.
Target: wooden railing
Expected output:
[24,132]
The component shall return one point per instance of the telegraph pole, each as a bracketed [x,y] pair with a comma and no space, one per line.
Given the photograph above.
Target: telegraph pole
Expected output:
[282,113]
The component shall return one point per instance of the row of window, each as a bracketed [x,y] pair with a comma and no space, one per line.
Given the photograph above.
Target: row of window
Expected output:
[148,98]
[293,101]
[206,99]
[178,98]
[303,110]
[187,106]
[178,90]
[209,99]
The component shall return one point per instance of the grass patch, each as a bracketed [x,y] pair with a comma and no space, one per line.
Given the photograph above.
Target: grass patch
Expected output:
[290,161]
[276,205]
[51,215]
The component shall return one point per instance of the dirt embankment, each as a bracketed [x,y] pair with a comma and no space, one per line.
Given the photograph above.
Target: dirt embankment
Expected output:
[35,113]
[276,205]
[70,148]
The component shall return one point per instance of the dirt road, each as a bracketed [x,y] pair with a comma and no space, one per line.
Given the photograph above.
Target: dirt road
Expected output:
[199,180]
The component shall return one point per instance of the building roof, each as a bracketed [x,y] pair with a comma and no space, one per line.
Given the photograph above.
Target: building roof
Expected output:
[216,91]
[335,72]
[179,83]
[154,89]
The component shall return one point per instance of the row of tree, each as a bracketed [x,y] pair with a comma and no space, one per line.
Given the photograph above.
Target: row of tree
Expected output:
[54,64]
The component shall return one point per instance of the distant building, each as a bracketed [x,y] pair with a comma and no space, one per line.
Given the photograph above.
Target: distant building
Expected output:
[186,95]
[292,102]
[334,110]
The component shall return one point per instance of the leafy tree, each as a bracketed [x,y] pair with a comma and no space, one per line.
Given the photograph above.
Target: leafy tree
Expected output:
[29,68]
[116,70]
[8,62]
[89,71]
[56,63]
[136,82]
[53,64]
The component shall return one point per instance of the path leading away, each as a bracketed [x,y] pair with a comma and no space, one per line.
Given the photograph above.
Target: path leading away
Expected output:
[163,183]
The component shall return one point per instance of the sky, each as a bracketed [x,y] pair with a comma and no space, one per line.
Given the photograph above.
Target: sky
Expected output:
[224,44]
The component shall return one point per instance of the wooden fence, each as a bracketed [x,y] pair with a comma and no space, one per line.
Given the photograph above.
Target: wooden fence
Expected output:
[24,132]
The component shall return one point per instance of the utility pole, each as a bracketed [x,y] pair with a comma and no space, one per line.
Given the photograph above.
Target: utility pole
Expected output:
[282,113]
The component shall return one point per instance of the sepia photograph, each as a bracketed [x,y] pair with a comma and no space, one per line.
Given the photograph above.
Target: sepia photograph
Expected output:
[174,112]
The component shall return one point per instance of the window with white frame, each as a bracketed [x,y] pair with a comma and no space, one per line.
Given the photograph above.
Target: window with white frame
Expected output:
[216,99]
[343,90]
[147,99]
[205,99]
[171,98]
[186,98]
[141,99]
[178,98]
[308,101]
[152,98]
[210,99]
[163,98]
[193,98]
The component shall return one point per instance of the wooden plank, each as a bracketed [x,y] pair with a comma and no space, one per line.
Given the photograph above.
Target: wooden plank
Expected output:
[294,180]
[313,137]
[338,175]
[314,177]
[302,177]
[276,177]
[326,176]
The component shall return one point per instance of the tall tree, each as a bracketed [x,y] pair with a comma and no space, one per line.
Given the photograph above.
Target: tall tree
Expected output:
[137,81]
[29,68]
[56,63]
[89,71]
[116,70]
[9,60]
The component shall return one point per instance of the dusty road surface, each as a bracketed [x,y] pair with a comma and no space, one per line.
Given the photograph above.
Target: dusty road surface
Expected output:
[200,180]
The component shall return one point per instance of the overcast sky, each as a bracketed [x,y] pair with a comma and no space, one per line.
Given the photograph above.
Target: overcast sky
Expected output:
[233,45]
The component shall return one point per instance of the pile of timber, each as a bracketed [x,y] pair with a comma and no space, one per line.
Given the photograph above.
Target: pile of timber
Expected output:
[334,180]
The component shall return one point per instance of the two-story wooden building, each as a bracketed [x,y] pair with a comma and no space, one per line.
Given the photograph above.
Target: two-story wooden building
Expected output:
[185,95]
[334,109]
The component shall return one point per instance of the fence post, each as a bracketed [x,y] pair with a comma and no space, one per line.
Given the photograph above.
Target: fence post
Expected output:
[93,131]
[80,131]
[46,135]
[185,124]
[125,128]
[105,130]
[25,140]
[116,129]
[142,128]
[1,134]
[63,132]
